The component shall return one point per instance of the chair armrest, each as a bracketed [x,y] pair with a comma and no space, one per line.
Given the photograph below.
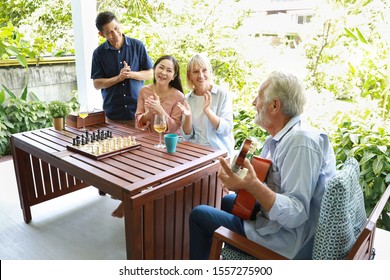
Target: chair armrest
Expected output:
[223,234]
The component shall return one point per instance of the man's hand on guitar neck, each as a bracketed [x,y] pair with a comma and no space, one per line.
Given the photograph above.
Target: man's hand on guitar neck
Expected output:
[250,183]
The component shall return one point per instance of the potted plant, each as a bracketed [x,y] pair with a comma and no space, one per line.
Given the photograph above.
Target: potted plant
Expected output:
[58,110]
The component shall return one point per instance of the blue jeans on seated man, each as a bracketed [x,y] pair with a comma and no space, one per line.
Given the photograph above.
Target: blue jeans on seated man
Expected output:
[204,220]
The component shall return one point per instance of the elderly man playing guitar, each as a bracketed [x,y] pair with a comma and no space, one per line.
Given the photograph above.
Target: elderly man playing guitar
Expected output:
[288,201]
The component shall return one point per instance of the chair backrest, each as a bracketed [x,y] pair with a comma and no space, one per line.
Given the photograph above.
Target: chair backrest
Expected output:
[364,245]
[342,214]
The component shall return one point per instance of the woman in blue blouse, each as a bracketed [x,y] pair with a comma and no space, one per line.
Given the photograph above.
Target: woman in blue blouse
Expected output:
[207,110]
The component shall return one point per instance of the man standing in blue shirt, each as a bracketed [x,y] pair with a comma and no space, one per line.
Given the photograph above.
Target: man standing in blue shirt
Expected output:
[119,68]
[303,161]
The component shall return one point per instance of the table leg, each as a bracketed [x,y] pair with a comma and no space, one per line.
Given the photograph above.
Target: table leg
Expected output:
[24,180]
[133,232]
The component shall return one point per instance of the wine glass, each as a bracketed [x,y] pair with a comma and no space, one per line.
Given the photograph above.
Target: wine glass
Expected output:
[160,125]
[83,113]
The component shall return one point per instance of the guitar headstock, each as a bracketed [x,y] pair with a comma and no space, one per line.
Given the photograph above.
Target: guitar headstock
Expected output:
[247,147]
[252,149]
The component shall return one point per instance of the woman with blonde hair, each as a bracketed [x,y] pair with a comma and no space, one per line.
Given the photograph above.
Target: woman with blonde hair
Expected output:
[207,109]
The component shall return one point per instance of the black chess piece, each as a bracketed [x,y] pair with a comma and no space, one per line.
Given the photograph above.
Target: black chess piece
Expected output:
[77,140]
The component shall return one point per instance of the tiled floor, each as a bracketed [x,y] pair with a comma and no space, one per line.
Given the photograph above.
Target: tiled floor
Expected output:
[75,227]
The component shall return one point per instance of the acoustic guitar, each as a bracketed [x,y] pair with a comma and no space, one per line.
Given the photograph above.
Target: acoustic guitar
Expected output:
[245,202]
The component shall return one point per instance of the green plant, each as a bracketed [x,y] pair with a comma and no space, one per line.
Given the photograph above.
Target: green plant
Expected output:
[244,128]
[340,54]
[58,109]
[5,134]
[18,116]
[363,137]
[27,115]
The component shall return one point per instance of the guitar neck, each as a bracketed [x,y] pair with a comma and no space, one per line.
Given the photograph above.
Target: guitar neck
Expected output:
[246,151]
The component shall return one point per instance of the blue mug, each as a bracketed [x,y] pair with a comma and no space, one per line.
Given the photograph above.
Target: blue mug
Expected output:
[171,140]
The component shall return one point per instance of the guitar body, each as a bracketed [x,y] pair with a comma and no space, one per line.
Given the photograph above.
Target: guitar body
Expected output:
[245,202]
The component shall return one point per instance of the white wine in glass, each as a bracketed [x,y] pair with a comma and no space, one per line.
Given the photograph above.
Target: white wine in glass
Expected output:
[83,113]
[160,125]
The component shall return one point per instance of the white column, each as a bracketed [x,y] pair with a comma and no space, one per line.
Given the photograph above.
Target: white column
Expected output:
[85,42]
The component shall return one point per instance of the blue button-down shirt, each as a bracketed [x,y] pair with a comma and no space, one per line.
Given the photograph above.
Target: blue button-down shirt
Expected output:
[303,161]
[120,100]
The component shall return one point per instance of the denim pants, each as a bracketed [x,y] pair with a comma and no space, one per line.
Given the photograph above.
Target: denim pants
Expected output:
[204,220]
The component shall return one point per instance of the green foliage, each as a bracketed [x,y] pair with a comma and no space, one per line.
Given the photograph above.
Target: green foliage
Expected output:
[5,135]
[341,56]
[51,32]
[58,109]
[364,138]
[13,44]
[27,113]
[245,128]
[18,116]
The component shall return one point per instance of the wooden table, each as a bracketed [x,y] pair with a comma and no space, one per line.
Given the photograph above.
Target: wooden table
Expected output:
[158,189]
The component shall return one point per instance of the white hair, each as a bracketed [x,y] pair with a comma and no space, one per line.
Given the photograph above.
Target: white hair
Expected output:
[287,88]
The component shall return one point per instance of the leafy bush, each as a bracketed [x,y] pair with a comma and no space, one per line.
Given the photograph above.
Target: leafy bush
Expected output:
[22,114]
[348,56]
[18,116]
[244,128]
[364,138]
[5,134]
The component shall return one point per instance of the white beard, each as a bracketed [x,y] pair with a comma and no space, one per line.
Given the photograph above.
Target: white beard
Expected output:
[261,118]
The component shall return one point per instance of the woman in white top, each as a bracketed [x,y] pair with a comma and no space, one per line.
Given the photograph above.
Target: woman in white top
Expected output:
[207,110]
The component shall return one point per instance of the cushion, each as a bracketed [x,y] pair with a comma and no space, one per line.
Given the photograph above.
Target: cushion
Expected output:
[228,253]
[342,214]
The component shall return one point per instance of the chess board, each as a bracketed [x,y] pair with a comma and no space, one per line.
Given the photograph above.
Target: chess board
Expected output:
[101,144]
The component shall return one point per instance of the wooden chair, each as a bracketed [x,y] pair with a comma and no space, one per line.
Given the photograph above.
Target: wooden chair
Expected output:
[361,247]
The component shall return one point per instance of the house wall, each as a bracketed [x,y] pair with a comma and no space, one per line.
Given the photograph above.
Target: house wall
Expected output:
[47,81]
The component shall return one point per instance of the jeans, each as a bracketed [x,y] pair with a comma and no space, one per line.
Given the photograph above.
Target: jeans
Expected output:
[204,220]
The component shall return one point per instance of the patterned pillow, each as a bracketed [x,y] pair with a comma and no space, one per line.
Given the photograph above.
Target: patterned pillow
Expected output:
[342,214]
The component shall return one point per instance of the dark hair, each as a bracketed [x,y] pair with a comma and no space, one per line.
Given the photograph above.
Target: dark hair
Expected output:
[176,82]
[103,18]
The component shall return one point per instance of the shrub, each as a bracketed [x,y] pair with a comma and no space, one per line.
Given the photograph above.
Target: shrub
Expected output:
[366,138]
[244,128]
